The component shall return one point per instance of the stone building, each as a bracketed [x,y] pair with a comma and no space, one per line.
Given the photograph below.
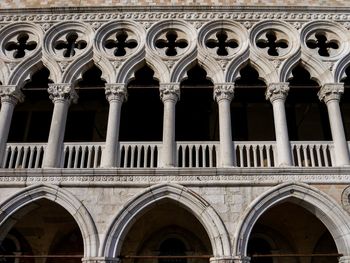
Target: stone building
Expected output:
[174,132]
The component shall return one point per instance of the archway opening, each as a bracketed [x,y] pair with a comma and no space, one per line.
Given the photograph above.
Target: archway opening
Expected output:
[45,232]
[249,108]
[32,118]
[289,233]
[87,119]
[158,236]
[142,113]
[307,116]
[196,113]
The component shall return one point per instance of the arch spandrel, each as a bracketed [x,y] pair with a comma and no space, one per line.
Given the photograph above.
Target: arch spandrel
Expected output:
[202,210]
[28,196]
[319,204]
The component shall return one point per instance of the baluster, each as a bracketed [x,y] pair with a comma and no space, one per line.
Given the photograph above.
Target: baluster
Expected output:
[268,155]
[12,156]
[25,156]
[190,156]
[184,156]
[204,156]
[211,155]
[31,156]
[37,158]
[70,156]
[126,156]
[255,156]
[248,155]
[90,150]
[318,154]
[132,156]
[139,153]
[82,159]
[152,156]
[306,161]
[76,157]
[145,156]
[312,155]
[298,155]
[196,147]
[19,155]
[6,156]
[261,154]
[241,156]
[325,156]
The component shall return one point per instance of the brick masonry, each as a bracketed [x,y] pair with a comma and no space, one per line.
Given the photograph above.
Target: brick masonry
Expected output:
[5,4]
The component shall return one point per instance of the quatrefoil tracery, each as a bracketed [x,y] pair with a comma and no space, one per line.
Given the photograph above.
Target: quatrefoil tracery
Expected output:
[171,43]
[121,43]
[21,46]
[71,44]
[272,44]
[322,43]
[221,43]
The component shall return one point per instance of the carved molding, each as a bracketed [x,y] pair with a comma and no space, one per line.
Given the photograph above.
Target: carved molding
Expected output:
[277,91]
[116,91]
[11,94]
[331,91]
[224,91]
[170,91]
[62,92]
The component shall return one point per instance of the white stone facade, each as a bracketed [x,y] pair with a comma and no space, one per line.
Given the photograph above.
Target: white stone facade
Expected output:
[227,198]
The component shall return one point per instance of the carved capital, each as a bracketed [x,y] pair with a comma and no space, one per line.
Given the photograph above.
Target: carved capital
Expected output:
[331,91]
[277,91]
[116,91]
[62,92]
[11,94]
[169,91]
[224,91]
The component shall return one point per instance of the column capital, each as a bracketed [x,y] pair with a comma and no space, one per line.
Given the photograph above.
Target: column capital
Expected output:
[224,91]
[11,94]
[62,92]
[169,91]
[277,91]
[116,91]
[331,91]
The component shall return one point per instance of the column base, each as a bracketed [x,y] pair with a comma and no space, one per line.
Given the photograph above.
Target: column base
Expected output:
[100,260]
[230,259]
[344,259]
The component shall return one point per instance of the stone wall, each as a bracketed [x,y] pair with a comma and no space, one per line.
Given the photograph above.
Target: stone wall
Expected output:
[110,3]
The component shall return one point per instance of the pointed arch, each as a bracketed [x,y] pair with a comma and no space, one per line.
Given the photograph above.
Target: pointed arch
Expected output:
[28,196]
[318,203]
[185,197]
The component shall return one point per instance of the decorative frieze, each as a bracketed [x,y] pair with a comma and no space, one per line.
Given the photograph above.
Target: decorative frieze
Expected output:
[116,91]
[62,92]
[224,91]
[277,91]
[331,91]
[170,91]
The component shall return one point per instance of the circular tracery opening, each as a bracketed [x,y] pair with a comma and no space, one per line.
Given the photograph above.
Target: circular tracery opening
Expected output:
[272,43]
[172,43]
[22,45]
[222,43]
[121,43]
[71,45]
[323,44]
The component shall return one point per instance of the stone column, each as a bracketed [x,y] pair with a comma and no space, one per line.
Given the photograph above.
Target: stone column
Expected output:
[61,95]
[344,259]
[223,93]
[9,95]
[115,94]
[100,260]
[277,94]
[330,94]
[169,94]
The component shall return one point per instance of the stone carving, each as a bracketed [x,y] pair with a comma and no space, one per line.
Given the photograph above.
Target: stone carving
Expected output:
[169,91]
[11,94]
[277,91]
[331,91]
[345,199]
[224,91]
[116,91]
[62,92]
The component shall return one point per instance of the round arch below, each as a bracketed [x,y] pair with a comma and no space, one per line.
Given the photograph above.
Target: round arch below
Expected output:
[188,199]
[310,198]
[23,200]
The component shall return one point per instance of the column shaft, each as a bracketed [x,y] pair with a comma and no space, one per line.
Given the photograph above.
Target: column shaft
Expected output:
[330,94]
[9,98]
[61,95]
[223,93]
[170,94]
[277,93]
[115,94]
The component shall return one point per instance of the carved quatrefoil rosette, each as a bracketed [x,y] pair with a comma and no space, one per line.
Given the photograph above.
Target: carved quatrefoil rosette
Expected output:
[118,40]
[274,39]
[223,39]
[326,40]
[19,41]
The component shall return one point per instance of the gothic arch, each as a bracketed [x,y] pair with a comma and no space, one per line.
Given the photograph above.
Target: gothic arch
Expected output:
[31,194]
[323,207]
[191,201]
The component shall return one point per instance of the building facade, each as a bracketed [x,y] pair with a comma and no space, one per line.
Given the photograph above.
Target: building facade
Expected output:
[174,132]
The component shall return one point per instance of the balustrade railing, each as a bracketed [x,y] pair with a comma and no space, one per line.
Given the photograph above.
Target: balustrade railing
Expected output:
[188,154]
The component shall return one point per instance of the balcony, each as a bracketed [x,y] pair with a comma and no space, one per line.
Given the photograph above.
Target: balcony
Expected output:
[189,154]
